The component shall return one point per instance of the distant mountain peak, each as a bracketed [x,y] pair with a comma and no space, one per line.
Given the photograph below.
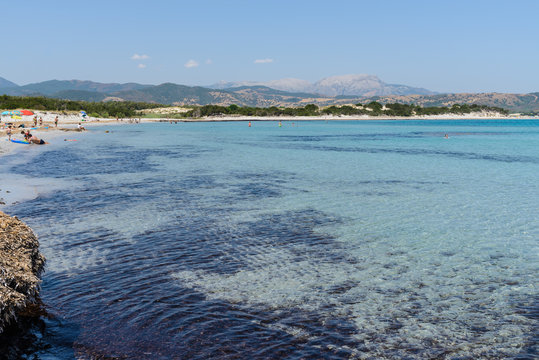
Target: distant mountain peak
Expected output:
[340,85]
[282,92]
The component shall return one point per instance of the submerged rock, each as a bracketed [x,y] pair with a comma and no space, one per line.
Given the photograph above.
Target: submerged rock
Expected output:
[20,266]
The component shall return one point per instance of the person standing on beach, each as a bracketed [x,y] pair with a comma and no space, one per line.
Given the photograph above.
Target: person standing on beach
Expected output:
[8,132]
[35,120]
[56,121]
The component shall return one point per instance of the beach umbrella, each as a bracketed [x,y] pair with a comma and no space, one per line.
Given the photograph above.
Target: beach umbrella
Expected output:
[12,112]
[27,112]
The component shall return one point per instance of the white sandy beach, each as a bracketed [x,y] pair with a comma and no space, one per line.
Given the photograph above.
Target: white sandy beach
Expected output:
[47,131]
[472,116]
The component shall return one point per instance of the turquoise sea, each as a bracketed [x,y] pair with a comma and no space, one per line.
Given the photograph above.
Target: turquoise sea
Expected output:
[323,240]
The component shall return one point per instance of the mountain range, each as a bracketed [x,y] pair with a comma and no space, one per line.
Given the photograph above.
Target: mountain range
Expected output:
[52,87]
[343,85]
[336,90]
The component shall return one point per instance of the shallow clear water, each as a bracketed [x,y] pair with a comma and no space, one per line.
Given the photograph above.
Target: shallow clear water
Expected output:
[312,240]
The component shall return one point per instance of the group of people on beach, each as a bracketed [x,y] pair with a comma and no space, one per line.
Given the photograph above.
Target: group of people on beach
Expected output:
[28,137]
[37,122]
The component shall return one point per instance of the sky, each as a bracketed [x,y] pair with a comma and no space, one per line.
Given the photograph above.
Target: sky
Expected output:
[444,46]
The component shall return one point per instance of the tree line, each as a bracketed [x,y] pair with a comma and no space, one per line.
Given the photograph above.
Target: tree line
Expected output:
[372,109]
[132,109]
[94,109]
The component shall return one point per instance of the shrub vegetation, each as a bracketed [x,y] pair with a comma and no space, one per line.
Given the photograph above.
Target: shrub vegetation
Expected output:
[132,109]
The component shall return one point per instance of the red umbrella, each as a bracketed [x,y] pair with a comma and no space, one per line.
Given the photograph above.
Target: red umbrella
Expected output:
[27,112]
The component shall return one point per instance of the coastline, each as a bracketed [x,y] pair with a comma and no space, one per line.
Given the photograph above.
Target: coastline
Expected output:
[473,116]
[68,123]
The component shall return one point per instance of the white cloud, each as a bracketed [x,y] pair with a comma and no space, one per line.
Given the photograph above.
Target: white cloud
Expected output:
[141,66]
[263,61]
[139,57]
[191,63]
[208,62]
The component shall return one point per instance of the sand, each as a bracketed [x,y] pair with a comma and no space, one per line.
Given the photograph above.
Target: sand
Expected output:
[48,130]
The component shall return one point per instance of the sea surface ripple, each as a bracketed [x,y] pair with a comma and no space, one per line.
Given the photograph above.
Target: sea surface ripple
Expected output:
[375,240]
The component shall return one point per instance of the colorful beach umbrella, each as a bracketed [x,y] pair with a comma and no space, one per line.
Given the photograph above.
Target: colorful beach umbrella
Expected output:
[12,112]
[27,112]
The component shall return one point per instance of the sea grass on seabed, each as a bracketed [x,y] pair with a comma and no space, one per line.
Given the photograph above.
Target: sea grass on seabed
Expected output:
[20,266]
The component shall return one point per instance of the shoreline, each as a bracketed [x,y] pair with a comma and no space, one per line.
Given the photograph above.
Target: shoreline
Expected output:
[338,118]
[68,123]
[11,192]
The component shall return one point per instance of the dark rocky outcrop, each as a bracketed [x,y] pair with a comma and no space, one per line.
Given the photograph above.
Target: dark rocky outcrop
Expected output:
[20,266]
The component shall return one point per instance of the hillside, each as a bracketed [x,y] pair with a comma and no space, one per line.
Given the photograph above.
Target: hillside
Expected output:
[52,87]
[343,85]
[512,102]
[172,94]
[6,84]
[259,96]
[340,90]
[79,95]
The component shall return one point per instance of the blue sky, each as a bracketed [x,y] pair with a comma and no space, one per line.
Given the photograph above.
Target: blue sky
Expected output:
[446,46]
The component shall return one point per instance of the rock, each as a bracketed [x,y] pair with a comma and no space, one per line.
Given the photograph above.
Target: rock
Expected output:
[20,266]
